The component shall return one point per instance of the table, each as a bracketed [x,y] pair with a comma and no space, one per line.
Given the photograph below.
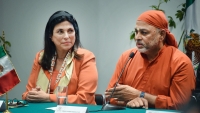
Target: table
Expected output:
[41,108]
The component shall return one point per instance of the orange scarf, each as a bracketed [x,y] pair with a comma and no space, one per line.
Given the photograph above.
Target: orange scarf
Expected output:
[157,19]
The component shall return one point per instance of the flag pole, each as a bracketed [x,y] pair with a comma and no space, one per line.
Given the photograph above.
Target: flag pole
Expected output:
[6,111]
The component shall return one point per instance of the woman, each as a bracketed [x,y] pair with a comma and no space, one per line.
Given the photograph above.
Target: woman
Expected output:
[62,62]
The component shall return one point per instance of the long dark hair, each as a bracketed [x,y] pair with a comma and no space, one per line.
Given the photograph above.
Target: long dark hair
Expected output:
[49,46]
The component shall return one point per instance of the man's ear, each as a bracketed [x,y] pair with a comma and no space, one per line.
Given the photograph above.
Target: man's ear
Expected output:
[163,34]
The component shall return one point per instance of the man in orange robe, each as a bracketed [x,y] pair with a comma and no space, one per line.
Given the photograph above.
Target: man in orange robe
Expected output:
[159,75]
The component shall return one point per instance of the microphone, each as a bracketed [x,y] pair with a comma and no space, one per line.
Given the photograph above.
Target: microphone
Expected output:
[109,106]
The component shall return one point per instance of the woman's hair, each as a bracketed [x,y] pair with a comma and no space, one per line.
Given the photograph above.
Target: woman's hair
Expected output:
[49,46]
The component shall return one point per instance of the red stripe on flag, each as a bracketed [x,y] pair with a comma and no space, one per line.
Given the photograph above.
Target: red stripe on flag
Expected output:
[8,81]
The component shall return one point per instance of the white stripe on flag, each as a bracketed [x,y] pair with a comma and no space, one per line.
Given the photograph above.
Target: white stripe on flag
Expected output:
[7,66]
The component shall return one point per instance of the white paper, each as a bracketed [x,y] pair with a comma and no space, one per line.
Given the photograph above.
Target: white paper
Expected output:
[154,111]
[1,102]
[52,108]
[70,109]
[2,106]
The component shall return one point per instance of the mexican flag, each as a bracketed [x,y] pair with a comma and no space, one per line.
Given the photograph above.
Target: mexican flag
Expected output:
[192,29]
[8,75]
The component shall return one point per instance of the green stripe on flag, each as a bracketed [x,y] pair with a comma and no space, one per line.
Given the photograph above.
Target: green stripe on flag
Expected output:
[188,3]
[2,52]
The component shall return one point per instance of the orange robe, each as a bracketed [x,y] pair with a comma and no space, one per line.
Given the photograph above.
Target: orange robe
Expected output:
[170,76]
[83,82]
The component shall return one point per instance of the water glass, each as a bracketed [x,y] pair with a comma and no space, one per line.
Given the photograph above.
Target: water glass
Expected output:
[61,94]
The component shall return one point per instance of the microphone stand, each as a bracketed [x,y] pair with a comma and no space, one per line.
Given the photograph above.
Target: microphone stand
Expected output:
[109,106]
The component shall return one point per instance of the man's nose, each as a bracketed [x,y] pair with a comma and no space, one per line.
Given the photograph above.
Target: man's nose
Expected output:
[138,36]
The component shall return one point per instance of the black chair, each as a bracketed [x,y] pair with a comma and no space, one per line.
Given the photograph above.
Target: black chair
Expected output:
[196,92]
[198,79]
[99,99]
[193,106]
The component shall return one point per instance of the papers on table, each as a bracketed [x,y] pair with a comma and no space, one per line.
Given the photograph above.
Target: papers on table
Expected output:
[154,111]
[69,109]
[77,109]
[2,106]
[1,102]
[52,108]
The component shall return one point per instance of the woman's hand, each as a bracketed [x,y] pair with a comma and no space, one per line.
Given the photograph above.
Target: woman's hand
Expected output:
[36,95]
[138,102]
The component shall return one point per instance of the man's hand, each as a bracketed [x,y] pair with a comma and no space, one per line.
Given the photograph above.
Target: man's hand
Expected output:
[138,102]
[123,93]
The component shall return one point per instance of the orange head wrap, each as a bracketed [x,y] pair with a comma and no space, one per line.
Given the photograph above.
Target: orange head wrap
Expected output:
[157,19]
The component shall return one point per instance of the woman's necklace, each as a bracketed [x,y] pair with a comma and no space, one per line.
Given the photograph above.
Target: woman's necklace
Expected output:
[53,61]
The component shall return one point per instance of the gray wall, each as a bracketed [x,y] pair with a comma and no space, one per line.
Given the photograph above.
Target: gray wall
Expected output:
[105,26]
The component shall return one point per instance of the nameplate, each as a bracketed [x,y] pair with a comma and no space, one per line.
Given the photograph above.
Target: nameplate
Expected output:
[70,109]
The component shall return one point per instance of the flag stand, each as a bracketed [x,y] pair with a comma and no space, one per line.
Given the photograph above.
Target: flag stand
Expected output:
[6,111]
